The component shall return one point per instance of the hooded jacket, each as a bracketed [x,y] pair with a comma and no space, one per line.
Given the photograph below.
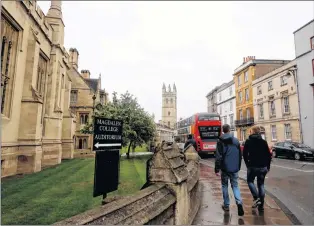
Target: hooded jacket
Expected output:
[228,154]
[256,152]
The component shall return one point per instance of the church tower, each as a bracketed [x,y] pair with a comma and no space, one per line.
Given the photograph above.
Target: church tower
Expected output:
[169,106]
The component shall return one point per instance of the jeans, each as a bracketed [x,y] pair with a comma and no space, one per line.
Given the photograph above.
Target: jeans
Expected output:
[260,173]
[234,185]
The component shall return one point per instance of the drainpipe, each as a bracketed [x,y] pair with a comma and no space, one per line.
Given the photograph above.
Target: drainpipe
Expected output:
[294,71]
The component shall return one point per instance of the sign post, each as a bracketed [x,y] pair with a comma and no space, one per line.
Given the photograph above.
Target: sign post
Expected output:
[107,143]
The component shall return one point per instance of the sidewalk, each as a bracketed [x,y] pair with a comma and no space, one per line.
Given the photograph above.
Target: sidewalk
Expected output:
[211,213]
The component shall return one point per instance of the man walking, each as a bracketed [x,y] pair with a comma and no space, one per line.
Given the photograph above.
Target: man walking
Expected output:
[257,158]
[228,161]
[190,141]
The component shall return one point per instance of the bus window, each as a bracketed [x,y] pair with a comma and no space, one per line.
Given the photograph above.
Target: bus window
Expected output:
[208,117]
[209,132]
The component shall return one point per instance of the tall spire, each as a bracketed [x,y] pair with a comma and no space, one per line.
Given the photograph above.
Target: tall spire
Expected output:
[174,88]
[164,87]
[55,9]
[169,88]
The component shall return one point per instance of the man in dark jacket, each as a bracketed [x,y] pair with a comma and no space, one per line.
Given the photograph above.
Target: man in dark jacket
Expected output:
[228,161]
[190,141]
[257,158]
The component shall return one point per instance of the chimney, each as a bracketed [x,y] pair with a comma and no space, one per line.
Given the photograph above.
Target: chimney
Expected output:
[85,74]
[74,54]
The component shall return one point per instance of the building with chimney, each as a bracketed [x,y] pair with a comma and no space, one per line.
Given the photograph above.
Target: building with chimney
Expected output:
[169,106]
[276,108]
[37,124]
[243,76]
[86,95]
[304,53]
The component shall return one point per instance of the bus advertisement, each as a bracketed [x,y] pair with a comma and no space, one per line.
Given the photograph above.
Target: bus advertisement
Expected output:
[205,128]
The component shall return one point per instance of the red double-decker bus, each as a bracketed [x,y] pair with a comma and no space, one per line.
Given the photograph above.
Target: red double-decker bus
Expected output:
[206,129]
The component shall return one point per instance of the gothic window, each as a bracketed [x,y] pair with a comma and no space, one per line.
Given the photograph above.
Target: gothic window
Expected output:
[84,143]
[171,101]
[41,75]
[83,118]
[102,98]
[168,124]
[73,98]
[9,37]
[166,100]
[80,144]
[168,113]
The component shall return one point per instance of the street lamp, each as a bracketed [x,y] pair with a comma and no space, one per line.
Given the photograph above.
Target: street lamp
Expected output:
[94,98]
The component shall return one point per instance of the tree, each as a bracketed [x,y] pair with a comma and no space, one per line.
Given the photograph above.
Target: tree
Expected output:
[138,125]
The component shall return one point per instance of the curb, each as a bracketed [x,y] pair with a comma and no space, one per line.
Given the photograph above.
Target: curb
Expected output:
[294,220]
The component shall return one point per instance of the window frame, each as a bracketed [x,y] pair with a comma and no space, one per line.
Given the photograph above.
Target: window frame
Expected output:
[272,132]
[285,131]
[246,76]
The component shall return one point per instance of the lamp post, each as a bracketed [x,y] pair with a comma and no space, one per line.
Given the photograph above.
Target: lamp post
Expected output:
[94,98]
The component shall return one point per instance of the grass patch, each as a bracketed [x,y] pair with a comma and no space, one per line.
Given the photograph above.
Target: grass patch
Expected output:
[137,149]
[63,191]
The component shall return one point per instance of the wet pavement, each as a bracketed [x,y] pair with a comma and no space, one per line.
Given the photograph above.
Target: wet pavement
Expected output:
[211,213]
[291,182]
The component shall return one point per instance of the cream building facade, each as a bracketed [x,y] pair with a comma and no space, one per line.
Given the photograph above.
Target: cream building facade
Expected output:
[276,104]
[226,105]
[169,106]
[37,73]
[163,133]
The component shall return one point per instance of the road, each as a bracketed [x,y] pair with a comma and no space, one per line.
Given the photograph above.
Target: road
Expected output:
[292,182]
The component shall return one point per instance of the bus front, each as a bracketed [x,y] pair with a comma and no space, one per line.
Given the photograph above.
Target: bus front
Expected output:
[207,132]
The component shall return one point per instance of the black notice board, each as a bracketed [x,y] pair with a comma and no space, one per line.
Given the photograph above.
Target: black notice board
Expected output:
[107,134]
[107,167]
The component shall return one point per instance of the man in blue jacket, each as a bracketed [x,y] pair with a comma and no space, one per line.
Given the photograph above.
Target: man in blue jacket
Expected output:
[228,161]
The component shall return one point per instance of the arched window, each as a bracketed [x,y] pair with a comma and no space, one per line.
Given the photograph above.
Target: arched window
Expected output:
[168,113]
[166,100]
[80,144]
[84,143]
[171,101]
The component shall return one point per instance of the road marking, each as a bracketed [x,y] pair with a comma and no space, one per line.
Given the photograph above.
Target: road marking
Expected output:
[284,167]
[305,163]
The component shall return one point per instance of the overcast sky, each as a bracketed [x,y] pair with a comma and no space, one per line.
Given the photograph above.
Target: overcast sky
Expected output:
[137,46]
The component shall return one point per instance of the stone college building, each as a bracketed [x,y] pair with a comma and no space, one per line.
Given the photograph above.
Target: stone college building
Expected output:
[41,109]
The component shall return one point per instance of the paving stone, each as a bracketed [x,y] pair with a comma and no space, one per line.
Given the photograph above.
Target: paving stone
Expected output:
[211,213]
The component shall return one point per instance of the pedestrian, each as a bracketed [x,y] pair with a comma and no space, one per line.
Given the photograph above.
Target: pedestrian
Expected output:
[228,161]
[192,141]
[257,158]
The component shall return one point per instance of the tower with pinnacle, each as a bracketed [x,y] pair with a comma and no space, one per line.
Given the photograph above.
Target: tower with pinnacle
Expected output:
[169,105]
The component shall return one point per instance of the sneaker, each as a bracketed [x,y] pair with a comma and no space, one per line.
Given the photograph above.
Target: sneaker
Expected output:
[260,208]
[240,210]
[225,208]
[256,203]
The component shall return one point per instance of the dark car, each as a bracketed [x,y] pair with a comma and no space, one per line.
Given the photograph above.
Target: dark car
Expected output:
[293,150]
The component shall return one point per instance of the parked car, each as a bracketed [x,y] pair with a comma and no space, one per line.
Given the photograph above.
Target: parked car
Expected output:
[293,150]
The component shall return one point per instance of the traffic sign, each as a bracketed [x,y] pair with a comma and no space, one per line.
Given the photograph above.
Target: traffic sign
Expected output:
[107,134]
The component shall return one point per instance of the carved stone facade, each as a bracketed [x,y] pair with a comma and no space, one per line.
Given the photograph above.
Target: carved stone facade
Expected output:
[86,94]
[169,106]
[37,125]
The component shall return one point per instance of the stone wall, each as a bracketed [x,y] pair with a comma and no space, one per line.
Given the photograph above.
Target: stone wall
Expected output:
[171,195]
